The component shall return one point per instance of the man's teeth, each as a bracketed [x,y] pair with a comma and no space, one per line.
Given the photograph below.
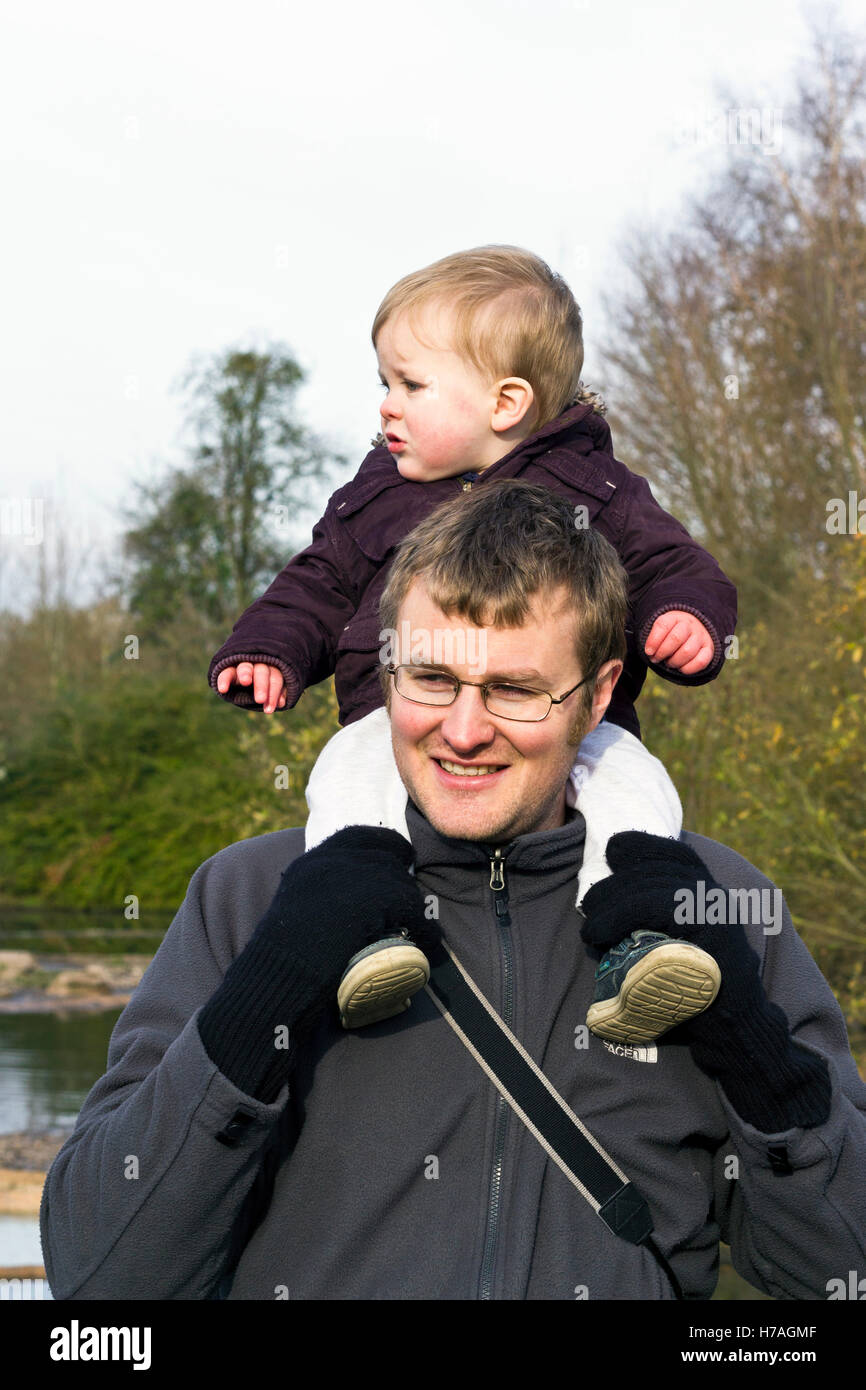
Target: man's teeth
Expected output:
[465,771]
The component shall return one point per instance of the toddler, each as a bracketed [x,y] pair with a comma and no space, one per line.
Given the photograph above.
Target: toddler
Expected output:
[480,356]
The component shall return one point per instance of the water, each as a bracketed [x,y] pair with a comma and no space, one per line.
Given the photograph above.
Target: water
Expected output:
[48,1064]
[19,1241]
[21,1248]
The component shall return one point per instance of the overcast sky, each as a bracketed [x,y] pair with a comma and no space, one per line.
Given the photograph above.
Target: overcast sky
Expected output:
[178,178]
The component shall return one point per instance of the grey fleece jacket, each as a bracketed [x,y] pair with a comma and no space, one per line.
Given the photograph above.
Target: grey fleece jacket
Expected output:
[406,1176]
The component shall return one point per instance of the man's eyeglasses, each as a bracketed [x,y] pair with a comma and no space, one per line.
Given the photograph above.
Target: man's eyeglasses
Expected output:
[425,686]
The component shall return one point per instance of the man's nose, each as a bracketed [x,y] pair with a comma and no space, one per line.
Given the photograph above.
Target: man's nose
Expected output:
[467,723]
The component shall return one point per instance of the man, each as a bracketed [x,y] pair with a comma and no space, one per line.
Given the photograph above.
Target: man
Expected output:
[244,1145]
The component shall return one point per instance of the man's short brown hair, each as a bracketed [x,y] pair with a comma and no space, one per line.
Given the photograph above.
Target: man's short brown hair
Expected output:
[485,555]
[512,316]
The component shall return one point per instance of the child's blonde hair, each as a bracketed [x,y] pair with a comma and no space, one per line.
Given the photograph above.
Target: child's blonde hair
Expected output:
[513,316]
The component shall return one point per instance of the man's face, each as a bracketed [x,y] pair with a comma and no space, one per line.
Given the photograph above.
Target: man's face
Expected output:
[522,786]
[437,411]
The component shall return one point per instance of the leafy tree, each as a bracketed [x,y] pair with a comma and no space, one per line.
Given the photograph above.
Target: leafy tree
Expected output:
[136,777]
[213,533]
[769,759]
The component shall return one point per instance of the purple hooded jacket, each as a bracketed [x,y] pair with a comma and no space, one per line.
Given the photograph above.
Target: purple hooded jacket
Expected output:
[320,615]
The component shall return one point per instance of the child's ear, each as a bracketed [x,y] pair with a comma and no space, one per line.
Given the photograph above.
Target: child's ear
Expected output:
[515,404]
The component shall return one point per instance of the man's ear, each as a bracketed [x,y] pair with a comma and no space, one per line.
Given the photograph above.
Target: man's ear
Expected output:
[607,677]
[515,403]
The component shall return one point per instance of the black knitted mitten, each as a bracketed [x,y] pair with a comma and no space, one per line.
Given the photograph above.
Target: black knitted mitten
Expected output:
[742,1039]
[351,890]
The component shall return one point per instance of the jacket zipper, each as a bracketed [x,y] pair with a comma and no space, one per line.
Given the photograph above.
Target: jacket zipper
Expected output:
[494,1199]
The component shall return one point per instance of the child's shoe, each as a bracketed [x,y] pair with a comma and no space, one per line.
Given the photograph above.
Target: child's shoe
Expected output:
[379,981]
[649,983]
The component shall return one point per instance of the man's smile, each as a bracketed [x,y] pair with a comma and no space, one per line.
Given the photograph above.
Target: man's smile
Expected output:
[475,772]
[465,770]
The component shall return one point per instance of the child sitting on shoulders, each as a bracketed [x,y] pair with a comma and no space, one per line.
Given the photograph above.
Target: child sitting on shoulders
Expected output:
[480,357]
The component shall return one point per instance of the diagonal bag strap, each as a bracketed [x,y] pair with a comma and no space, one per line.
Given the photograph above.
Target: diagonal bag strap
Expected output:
[541,1108]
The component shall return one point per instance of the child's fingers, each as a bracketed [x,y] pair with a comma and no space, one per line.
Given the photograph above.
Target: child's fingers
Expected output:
[659,633]
[685,652]
[671,641]
[267,682]
[681,641]
[699,662]
[261,678]
[275,685]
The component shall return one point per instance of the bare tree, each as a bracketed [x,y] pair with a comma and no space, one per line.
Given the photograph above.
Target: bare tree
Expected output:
[736,365]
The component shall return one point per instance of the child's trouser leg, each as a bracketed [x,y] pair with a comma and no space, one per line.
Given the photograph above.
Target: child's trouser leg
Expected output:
[649,982]
[355,782]
[617,785]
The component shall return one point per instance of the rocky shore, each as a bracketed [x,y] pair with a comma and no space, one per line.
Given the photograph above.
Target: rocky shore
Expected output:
[31,983]
[30,1152]
[24,1160]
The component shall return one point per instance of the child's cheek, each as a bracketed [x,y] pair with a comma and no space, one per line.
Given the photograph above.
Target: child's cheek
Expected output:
[434,438]
[447,432]
[441,441]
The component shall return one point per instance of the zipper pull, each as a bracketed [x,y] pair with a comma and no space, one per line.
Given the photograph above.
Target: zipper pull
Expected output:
[497,871]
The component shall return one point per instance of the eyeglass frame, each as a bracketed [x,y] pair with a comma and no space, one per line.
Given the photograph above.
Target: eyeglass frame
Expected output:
[484,687]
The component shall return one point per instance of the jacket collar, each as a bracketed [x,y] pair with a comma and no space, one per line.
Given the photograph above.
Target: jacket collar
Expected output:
[579,427]
[536,864]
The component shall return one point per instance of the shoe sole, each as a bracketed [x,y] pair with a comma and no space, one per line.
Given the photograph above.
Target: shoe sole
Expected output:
[672,983]
[381,985]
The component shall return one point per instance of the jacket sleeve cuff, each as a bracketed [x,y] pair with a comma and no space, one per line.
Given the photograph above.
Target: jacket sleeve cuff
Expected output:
[223,1097]
[248,1027]
[787,1151]
[242,695]
[700,677]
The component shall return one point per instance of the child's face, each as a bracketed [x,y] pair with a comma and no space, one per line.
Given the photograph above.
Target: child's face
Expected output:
[436,415]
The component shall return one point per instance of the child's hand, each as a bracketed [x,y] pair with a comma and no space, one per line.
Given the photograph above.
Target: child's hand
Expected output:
[267,682]
[680,640]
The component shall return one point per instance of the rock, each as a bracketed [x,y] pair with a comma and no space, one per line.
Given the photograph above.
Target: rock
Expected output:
[123,974]
[15,963]
[78,982]
[94,982]
[20,1193]
[100,974]
[31,1150]
[99,977]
